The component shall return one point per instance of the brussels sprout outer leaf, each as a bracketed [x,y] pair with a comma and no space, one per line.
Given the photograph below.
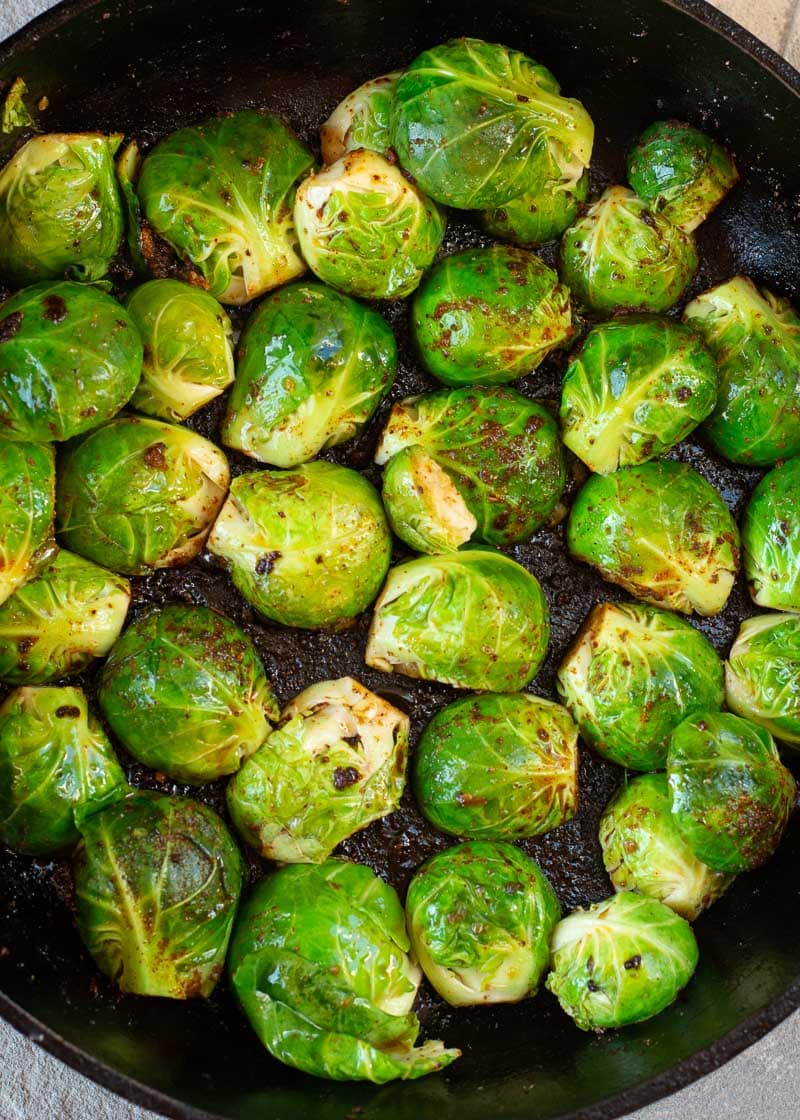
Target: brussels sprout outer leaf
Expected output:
[362,120]
[27,500]
[15,113]
[128,166]
[539,215]
[762,675]
[771,539]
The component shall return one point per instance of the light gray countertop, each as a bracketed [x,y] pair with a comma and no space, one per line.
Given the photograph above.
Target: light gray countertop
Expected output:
[761,1084]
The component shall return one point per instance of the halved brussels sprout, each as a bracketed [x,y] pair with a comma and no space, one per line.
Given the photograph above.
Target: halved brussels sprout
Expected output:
[472,619]
[644,851]
[366,229]
[498,767]
[188,348]
[762,675]
[221,194]
[755,338]
[539,215]
[27,501]
[337,762]
[632,675]
[60,210]
[660,531]
[622,961]
[488,316]
[313,366]
[478,124]
[320,965]
[680,172]
[72,612]
[138,494]
[731,794]
[362,120]
[185,693]
[308,547]
[480,917]
[70,359]
[771,539]
[56,768]
[621,256]
[444,468]
[157,882]
[638,386]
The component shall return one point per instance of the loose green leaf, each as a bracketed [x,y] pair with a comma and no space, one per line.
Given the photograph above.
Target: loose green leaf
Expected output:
[15,112]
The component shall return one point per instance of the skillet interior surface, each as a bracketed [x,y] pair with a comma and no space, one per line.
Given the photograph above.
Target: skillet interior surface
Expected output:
[149,68]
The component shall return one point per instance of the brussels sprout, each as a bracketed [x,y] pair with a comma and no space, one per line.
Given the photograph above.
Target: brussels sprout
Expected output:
[632,675]
[680,172]
[638,386]
[755,337]
[308,547]
[622,961]
[56,768]
[472,619]
[497,767]
[337,762]
[620,255]
[57,623]
[319,962]
[540,215]
[188,349]
[731,794]
[771,539]
[762,675]
[15,113]
[185,693]
[362,120]
[137,494]
[157,882]
[660,531]
[478,124]
[480,917]
[221,194]
[443,467]
[488,316]
[27,500]
[366,229]
[313,367]
[60,210]
[644,851]
[70,358]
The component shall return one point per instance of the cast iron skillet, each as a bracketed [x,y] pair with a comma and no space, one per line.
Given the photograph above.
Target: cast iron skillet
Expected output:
[150,67]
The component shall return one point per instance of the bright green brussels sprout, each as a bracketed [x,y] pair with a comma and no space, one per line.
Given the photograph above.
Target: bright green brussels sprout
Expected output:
[644,851]
[157,882]
[70,358]
[731,794]
[60,210]
[622,961]
[313,367]
[498,767]
[221,194]
[680,172]
[539,215]
[660,531]
[488,316]
[53,626]
[308,547]
[762,675]
[185,693]
[365,229]
[632,675]
[56,768]
[362,120]
[138,494]
[471,619]
[27,501]
[320,964]
[755,338]
[443,467]
[478,124]
[771,539]
[620,256]
[336,762]
[480,917]
[638,386]
[188,349]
